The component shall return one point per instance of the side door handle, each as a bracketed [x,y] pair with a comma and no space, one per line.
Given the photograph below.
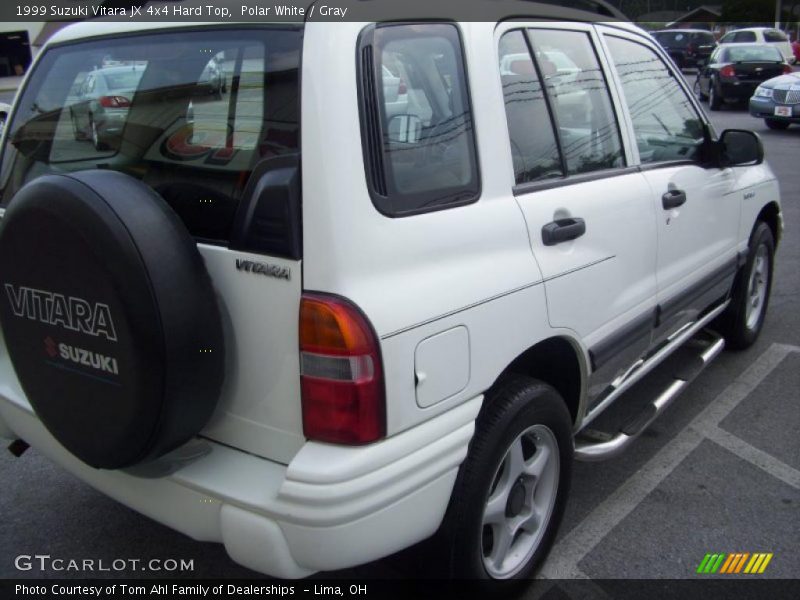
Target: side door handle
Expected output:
[673,199]
[563,230]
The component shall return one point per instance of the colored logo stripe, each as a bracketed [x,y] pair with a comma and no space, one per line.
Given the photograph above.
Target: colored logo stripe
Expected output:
[734,563]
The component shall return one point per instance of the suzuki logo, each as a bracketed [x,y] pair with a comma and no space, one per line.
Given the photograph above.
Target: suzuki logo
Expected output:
[50,347]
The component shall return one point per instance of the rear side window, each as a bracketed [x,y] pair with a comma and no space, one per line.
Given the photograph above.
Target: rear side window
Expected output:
[560,117]
[416,119]
[576,86]
[534,148]
[190,113]
[775,37]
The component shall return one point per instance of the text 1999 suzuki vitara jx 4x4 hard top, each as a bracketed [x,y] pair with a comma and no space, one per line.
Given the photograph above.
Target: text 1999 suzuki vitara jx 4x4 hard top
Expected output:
[363,283]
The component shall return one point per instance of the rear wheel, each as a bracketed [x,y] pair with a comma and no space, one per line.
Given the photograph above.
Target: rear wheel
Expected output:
[741,323]
[775,124]
[511,491]
[714,99]
[97,141]
[698,90]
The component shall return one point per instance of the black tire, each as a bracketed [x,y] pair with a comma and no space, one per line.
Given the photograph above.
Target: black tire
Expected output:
[76,130]
[97,140]
[777,125]
[714,99]
[515,406]
[736,324]
[110,317]
[698,90]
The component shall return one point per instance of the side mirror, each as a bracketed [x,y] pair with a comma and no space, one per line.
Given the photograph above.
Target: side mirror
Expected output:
[739,147]
[405,129]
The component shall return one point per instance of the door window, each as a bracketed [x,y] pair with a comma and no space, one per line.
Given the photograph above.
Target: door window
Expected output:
[533,142]
[665,123]
[587,126]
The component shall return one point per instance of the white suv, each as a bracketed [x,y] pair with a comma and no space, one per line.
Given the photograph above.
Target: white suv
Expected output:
[298,322]
[762,35]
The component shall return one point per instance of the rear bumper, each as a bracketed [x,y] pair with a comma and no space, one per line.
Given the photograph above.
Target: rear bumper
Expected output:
[331,508]
[737,90]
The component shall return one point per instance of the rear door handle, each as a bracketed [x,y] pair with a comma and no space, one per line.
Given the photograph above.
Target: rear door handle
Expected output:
[563,230]
[673,199]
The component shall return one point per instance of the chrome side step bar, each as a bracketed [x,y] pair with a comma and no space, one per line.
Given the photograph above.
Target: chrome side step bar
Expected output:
[596,451]
[642,368]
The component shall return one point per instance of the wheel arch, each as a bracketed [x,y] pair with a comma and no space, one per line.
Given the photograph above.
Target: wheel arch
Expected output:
[559,361]
[770,214]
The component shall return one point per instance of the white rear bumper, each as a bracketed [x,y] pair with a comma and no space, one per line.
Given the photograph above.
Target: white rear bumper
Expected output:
[333,507]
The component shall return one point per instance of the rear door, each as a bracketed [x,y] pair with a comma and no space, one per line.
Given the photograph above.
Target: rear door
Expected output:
[697,209]
[228,166]
[590,218]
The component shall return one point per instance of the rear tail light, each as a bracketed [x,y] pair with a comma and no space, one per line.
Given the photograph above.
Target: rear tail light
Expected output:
[114,101]
[787,69]
[727,71]
[341,374]
[402,88]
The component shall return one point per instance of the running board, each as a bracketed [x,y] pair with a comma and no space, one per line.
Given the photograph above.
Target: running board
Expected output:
[603,449]
[643,367]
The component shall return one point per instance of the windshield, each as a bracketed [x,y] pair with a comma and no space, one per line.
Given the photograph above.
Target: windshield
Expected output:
[673,38]
[753,54]
[190,113]
[123,80]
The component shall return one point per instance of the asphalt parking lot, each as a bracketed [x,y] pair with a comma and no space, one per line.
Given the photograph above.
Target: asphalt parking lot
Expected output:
[719,473]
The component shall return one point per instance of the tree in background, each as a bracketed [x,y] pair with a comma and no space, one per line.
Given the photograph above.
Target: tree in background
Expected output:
[748,11]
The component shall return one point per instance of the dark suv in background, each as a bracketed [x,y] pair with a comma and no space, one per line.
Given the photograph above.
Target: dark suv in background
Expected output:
[687,47]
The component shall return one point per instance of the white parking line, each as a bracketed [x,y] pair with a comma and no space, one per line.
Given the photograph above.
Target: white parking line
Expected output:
[767,462]
[573,547]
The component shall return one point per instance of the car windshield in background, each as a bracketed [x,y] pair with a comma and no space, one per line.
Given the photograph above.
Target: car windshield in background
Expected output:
[673,39]
[752,54]
[189,113]
[124,79]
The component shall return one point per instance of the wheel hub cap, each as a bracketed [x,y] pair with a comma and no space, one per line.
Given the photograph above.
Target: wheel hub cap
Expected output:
[757,287]
[516,500]
[520,502]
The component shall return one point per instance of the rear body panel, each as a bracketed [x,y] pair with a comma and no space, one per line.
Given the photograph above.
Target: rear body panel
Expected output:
[259,410]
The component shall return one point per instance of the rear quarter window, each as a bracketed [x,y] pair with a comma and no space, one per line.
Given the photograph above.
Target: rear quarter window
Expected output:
[775,37]
[416,119]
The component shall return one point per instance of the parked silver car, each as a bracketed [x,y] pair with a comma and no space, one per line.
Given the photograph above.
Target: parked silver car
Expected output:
[102,103]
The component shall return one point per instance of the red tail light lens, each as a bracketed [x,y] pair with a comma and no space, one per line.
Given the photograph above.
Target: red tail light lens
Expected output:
[114,101]
[341,374]
[787,69]
[727,71]
[401,87]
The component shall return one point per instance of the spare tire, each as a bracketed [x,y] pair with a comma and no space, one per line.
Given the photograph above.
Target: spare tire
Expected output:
[109,316]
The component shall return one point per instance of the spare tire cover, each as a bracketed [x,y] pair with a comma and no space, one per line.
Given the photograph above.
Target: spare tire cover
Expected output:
[109,317]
